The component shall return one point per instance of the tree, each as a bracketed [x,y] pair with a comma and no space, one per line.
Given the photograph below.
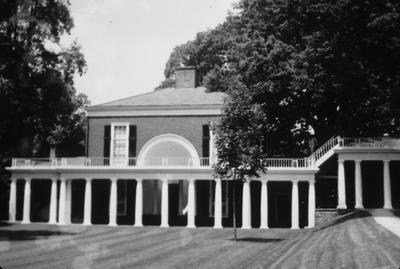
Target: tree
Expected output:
[36,75]
[39,105]
[316,67]
[240,135]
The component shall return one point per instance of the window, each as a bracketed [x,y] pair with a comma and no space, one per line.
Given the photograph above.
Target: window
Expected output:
[206,141]
[119,143]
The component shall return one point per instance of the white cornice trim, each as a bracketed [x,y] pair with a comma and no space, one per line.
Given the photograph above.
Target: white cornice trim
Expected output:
[162,112]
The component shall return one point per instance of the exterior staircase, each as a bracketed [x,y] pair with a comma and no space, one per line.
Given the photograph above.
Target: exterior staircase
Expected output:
[324,152]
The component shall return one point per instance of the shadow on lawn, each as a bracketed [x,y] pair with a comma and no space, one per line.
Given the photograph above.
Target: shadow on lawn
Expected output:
[21,235]
[258,240]
[353,215]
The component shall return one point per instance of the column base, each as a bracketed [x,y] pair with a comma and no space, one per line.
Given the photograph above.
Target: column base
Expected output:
[341,207]
[87,223]
[191,226]
[52,222]
[359,207]
[138,225]
[218,227]
[246,227]
[164,226]
[295,228]
[112,224]
[387,207]
[264,227]
[25,222]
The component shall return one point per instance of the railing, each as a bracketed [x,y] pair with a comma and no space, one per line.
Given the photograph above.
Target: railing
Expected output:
[182,162]
[365,142]
[324,149]
[287,163]
[114,162]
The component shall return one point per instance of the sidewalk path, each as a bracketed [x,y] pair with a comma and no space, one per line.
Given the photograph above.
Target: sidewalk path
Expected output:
[388,220]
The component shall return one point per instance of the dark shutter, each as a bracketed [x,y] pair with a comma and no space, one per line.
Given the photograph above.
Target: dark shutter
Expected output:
[132,141]
[206,141]
[107,141]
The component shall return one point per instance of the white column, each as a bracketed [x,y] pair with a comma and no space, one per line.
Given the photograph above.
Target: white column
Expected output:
[139,203]
[68,201]
[87,213]
[264,205]
[218,204]
[387,192]
[27,202]
[295,205]
[358,184]
[191,204]
[13,201]
[311,204]
[53,202]
[164,203]
[113,203]
[61,204]
[246,206]
[341,186]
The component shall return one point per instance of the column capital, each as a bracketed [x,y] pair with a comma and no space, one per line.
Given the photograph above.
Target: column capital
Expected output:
[113,179]
[295,181]
[217,179]
[88,178]
[247,180]
[13,179]
[357,160]
[191,179]
[264,180]
[28,179]
[311,181]
[139,179]
[341,161]
[386,161]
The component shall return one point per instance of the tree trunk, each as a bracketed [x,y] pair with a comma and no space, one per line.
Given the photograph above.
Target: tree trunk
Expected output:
[234,206]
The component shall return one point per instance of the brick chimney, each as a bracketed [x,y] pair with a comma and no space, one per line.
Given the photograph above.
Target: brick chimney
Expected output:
[185,77]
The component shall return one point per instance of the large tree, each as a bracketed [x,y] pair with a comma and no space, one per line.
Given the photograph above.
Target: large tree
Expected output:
[316,67]
[38,102]
[39,106]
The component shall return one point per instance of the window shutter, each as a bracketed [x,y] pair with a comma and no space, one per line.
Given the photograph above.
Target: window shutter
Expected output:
[132,140]
[107,141]
[206,141]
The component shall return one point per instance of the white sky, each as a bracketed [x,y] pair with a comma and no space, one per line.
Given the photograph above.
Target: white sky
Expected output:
[126,43]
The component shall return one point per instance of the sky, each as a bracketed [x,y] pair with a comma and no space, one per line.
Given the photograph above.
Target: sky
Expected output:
[127,43]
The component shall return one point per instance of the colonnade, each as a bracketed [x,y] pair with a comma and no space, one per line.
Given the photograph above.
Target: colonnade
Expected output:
[64,203]
[387,193]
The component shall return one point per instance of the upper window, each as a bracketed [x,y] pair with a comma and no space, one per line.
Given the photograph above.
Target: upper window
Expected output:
[119,142]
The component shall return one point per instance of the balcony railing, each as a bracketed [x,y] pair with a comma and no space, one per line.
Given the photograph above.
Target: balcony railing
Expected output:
[182,162]
[155,162]
[287,163]
[365,142]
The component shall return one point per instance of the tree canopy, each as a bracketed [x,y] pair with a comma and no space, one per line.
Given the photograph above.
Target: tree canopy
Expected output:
[316,68]
[38,102]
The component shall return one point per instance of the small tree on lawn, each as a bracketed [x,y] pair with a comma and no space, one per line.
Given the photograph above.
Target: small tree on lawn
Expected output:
[240,139]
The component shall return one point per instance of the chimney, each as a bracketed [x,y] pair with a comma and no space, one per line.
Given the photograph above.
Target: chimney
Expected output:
[185,77]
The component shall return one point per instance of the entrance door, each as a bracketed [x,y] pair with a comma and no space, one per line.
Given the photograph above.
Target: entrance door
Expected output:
[279,205]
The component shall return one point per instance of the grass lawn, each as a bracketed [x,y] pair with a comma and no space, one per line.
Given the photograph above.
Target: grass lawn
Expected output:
[351,241]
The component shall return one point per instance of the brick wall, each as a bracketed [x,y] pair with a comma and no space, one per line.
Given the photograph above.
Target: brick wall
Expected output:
[189,127]
[324,215]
